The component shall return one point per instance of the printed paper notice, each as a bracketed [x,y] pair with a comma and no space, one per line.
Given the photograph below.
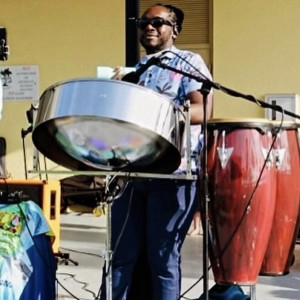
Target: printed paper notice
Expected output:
[20,82]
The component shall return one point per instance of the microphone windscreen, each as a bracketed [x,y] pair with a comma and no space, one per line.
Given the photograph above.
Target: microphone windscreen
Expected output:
[131,77]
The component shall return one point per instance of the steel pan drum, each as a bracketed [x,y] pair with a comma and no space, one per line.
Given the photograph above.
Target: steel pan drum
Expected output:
[93,124]
[286,153]
[240,227]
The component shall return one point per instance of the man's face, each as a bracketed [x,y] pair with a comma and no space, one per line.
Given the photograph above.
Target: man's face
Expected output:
[155,39]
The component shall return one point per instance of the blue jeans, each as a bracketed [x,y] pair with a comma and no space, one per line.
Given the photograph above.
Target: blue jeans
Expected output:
[160,214]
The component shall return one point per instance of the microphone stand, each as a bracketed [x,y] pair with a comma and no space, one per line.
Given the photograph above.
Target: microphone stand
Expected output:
[207,85]
[228,91]
[205,89]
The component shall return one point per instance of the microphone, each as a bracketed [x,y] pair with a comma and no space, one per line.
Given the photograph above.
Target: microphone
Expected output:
[134,77]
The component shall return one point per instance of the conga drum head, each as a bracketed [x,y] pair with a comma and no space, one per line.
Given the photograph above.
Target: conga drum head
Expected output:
[93,124]
[238,123]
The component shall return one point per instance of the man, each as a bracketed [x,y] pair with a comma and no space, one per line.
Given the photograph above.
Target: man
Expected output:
[160,210]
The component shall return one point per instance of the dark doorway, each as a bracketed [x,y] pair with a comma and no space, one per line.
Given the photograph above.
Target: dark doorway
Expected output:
[132,46]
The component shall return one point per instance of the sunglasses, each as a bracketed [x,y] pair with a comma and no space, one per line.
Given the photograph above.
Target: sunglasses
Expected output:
[156,22]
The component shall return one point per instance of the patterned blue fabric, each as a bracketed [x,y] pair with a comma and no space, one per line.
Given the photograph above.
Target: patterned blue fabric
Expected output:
[41,284]
[176,87]
[18,251]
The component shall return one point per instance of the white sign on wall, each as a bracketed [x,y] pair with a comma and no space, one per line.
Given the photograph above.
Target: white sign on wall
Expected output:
[288,102]
[20,82]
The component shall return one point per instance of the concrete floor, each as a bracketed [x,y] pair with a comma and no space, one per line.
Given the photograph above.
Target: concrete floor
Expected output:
[83,239]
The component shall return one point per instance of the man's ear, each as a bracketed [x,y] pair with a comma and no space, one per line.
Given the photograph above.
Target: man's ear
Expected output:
[175,31]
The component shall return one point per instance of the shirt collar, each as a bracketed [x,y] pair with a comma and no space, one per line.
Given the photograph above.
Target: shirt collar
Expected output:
[168,55]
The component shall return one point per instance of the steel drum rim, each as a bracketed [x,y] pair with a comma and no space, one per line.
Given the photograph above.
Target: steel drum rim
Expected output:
[45,123]
[252,121]
[93,79]
[231,124]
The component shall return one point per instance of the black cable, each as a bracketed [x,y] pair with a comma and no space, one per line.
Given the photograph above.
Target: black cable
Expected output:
[73,276]
[82,252]
[191,65]
[67,290]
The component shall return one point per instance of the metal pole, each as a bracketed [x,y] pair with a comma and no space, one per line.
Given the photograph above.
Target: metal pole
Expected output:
[253,292]
[205,91]
[108,254]
[187,106]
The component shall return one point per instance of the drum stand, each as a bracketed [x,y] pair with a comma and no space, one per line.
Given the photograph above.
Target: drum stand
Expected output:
[205,89]
[108,254]
[109,251]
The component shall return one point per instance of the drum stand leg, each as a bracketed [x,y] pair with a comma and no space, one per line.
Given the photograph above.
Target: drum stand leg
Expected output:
[205,91]
[108,254]
[253,292]
[204,184]
[111,195]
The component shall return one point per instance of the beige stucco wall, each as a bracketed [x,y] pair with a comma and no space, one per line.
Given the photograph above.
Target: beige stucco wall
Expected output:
[256,51]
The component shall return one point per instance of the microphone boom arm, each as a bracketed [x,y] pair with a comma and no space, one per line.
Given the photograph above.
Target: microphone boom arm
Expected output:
[228,91]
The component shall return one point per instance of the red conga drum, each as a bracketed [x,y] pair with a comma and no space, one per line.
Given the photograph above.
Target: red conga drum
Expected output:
[286,153]
[241,191]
